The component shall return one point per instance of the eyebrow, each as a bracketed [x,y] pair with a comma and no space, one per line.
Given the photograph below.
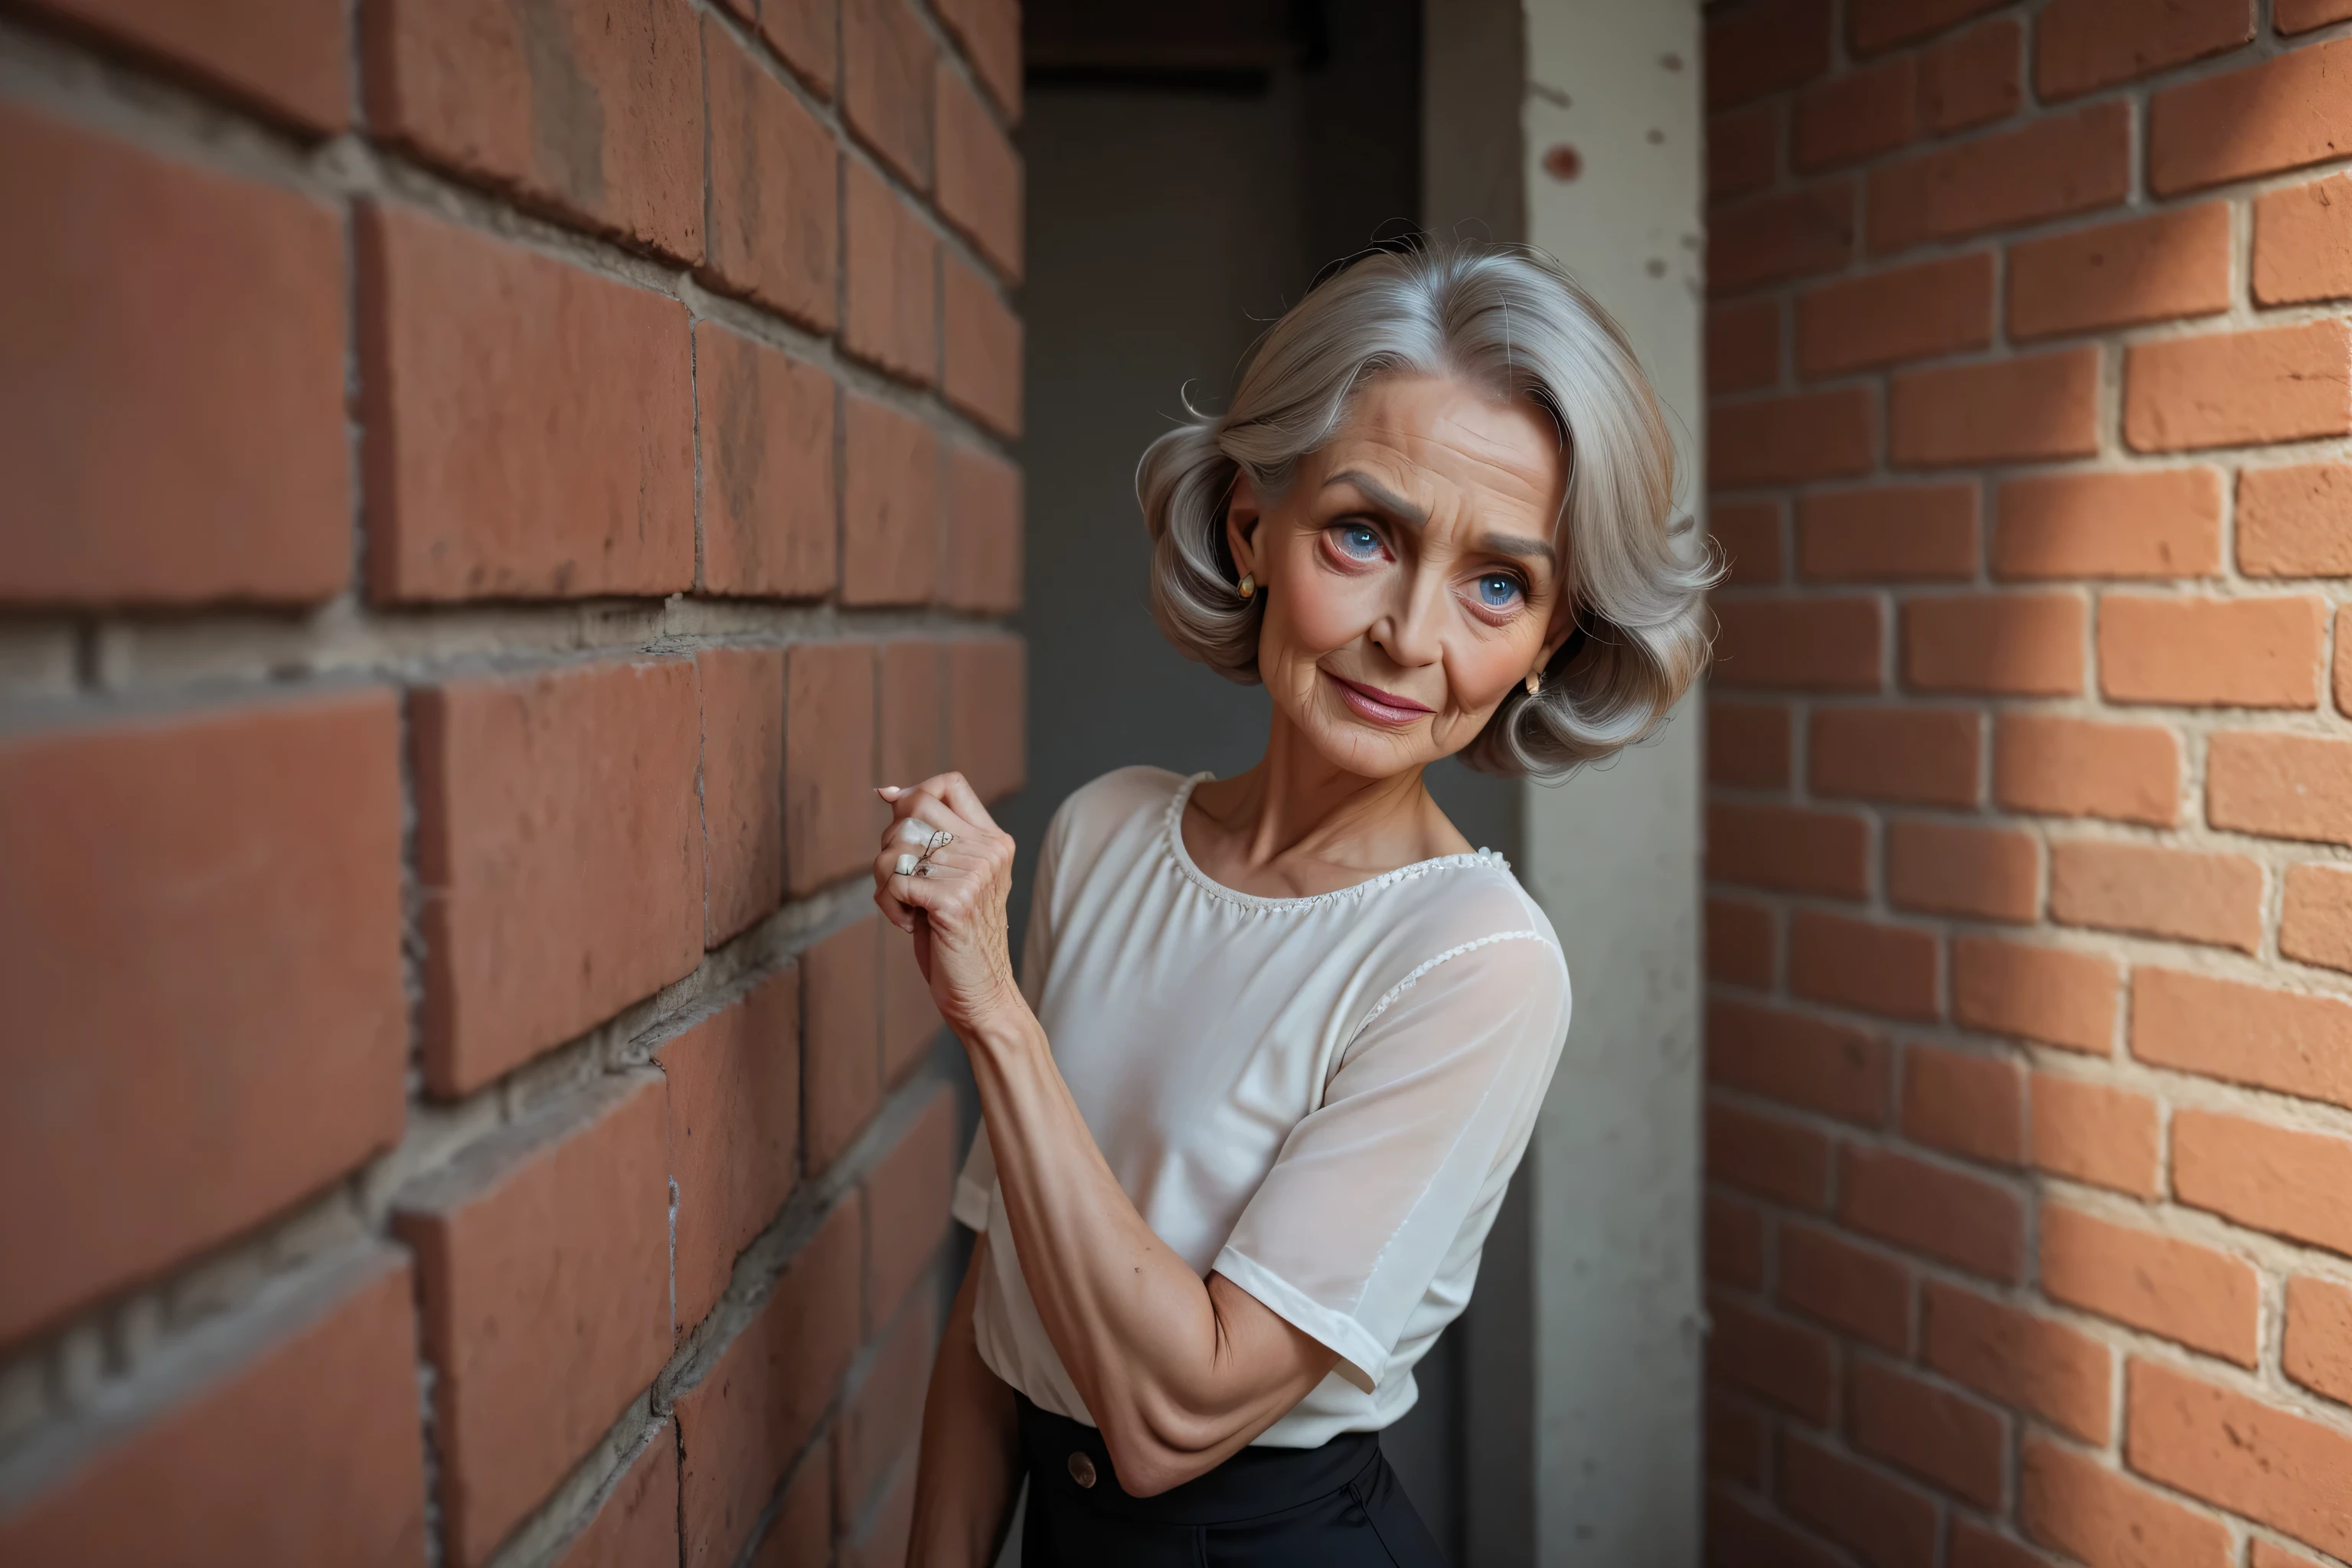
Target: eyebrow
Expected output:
[1403,510]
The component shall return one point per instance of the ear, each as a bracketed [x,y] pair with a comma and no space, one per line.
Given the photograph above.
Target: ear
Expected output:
[1242,509]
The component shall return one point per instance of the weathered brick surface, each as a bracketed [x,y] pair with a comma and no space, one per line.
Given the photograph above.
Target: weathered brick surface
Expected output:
[1860,1289]
[1941,869]
[2279,1468]
[980,174]
[2071,767]
[2070,1501]
[2147,887]
[2231,389]
[2316,921]
[2160,522]
[734,1108]
[2083,45]
[2015,644]
[2277,1040]
[2034,1363]
[1908,312]
[890,281]
[1882,1522]
[1833,1068]
[175,428]
[2089,1131]
[832,821]
[1972,77]
[985,504]
[987,695]
[774,225]
[979,348]
[1778,440]
[1948,1438]
[1894,533]
[2145,270]
[637,1525]
[2045,994]
[2291,520]
[1933,1210]
[529,1369]
[2318,1349]
[291,61]
[2268,1178]
[765,425]
[2014,411]
[2060,164]
[841,1044]
[2302,243]
[1831,643]
[743,787]
[1965,1104]
[2206,1299]
[886,83]
[2256,120]
[890,506]
[257,1050]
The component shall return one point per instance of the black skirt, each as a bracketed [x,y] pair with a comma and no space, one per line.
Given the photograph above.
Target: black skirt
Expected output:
[1339,1506]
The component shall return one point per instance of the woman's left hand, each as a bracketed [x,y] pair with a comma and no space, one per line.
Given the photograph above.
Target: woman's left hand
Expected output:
[953,902]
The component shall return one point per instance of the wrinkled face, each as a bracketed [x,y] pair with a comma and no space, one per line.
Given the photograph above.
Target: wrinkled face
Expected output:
[1411,572]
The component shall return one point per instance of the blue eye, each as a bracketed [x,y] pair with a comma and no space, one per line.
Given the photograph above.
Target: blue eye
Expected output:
[1497,590]
[1358,540]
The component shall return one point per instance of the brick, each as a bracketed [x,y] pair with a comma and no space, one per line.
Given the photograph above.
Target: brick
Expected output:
[1743,346]
[2315,919]
[2318,1349]
[880,1417]
[990,34]
[2081,46]
[530,1368]
[886,84]
[2095,1133]
[1781,440]
[303,1477]
[984,532]
[1798,1060]
[1937,1435]
[1740,943]
[2301,16]
[2028,409]
[2268,1178]
[1768,1156]
[592,109]
[1735,1441]
[1748,534]
[1972,77]
[906,1207]
[2296,521]
[2154,522]
[1865,1293]
[636,1525]
[1764,47]
[1936,868]
[2231,389]
[2342,663]
[1883,318]
[2295,1043]
[913,728]
[981,350]
[2049,168]
[743,787]
[2074,767]
[1830,644]
[2044,994]
[2261,1553]
[471,348]
[1736,1537]
[1968,1545]
[765,423]
[774,190]
[1789,234]
[833,820]
[2282,1470]
[2156,269]
[2257,120]
[1788,847]
[1963,1220]
[1748,743]
[754,1410]
[2013,645]
[910,1019]
[979,174]
[1734,1242]
[801,1531]
[1778,1363]
[890,279]
[2302,243]
[291,61]
[2071,1501]
[2157,890]
[841,1047]
[987,707]
[256,1048]
[1892,533]
[1926,756]
[1884,1522]
[806,33]
[2036,1364]
[559,851]
[2206,1299]
[1964,1104]
[734,1134]
[1864,965]
[2283,786]
[1743,152]
[890,529]
[1859,115]
[1873,26]
[174,430]
[889,1525]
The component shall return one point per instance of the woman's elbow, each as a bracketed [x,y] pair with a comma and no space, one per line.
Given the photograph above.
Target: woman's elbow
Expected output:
[1153,1457]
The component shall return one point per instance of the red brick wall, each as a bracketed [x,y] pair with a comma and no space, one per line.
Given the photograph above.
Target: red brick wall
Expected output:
[489,489]
[2029,836]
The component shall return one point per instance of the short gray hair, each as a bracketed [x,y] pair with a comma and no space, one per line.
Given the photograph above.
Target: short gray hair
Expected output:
[1510,320]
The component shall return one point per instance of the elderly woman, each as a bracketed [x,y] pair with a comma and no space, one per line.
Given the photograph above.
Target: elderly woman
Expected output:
[1279,1040]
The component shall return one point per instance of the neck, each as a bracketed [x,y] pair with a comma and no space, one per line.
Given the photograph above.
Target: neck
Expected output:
[1296,799]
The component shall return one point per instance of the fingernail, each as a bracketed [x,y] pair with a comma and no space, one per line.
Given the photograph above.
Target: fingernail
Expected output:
[888,792]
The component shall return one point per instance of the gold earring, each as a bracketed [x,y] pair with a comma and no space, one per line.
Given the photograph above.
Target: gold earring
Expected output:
[1535,681]
[1248,584]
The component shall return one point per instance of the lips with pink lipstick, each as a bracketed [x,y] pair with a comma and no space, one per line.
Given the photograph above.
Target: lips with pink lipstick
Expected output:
[1375,706]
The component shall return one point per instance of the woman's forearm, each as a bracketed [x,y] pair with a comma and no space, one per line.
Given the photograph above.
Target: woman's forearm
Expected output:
[970,1466]
[1177,1371]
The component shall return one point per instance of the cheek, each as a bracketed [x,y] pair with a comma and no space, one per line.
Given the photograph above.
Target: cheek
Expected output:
[1487,670]
[1322,610]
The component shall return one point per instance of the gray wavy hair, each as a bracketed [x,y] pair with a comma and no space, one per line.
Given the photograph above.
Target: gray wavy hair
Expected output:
[1512,320]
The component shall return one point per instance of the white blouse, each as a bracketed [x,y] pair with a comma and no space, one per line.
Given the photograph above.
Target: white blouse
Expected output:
[1321,1099]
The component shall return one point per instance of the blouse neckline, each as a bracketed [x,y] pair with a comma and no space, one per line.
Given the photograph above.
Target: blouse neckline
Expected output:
[1172,832]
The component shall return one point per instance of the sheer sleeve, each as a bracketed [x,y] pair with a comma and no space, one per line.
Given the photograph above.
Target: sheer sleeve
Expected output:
[1420,1127]
[977,1178]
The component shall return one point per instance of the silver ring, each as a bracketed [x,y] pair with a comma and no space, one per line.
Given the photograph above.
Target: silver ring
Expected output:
[906,864]
[915,830]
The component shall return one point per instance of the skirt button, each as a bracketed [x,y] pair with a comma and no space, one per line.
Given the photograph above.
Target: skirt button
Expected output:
[1082,1470]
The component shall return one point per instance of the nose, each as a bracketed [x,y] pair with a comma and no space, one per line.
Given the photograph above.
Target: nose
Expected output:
[1409,631]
